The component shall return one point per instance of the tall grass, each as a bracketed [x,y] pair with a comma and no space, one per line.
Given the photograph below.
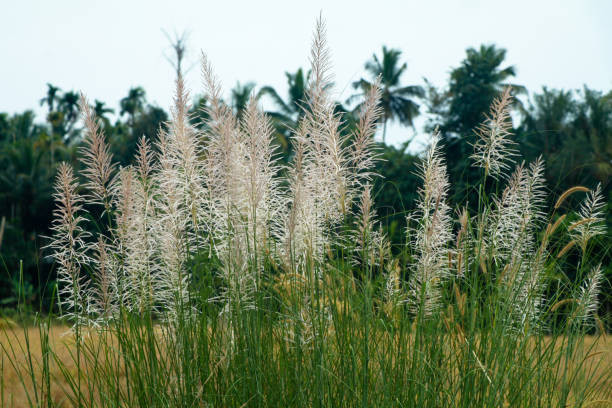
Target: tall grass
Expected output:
[218,277]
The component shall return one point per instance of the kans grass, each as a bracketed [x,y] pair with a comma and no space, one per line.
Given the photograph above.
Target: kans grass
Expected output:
[208,274]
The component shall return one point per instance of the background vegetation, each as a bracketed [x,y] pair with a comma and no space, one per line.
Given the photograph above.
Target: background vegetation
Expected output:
[570,129]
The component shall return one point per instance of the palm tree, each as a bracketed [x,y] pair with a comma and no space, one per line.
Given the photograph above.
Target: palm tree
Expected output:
[69,106]
[396,100]
[289,112]
[240,97]
[23,126]
[100,110]
[292,109]
[52,96]
[546,125]
[132,103]
[475,84]
[55,118]
[594,126]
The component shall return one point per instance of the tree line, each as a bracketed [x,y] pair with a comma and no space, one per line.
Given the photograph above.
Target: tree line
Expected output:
[570,129]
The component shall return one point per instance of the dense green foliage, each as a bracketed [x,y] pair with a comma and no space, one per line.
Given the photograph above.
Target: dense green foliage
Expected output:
[571,130]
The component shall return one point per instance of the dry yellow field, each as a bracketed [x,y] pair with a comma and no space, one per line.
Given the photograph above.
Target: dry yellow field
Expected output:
[13,355]
[13,343]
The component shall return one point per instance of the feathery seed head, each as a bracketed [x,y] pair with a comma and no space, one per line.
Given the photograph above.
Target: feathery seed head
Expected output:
[69,245]
[589,292]
[144,160]
[105,294]
[96,158]
[510,240]
[431,237]
[494,149]
[591,221]
[371,245]
[363,153]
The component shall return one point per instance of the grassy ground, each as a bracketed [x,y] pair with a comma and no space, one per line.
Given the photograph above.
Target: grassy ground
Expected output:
[14,340]
[18,339]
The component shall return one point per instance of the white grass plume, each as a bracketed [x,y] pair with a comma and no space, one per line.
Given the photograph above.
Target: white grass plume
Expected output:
[371,246]
[225,171]
[431,237]
[222,156]
[266,198]
[329,172]
[142,264]
[589,292]
[517,214]
[493,151]
[134,241]
[96,158]
[364,154]
[247,202]
[180,204]
[591,222]
[69,245]
[510,242]
[105,291]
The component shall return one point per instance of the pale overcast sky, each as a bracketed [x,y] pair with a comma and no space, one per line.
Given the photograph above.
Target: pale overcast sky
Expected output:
[105,47]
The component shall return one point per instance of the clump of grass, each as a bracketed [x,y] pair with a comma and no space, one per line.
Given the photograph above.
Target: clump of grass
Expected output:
[221,277]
